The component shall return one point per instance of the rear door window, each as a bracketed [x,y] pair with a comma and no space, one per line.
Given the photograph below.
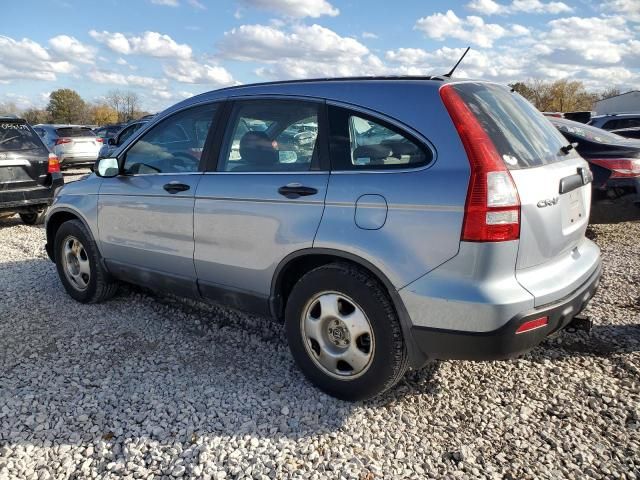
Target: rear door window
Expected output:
[361,142]
[521,134]
[17,136]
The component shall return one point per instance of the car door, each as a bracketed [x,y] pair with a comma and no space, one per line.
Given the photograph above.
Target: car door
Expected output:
[145,215]
[263,201]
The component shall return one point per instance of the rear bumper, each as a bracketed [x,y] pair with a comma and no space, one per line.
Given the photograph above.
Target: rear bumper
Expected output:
[504,342]
[78,159]
[33,198]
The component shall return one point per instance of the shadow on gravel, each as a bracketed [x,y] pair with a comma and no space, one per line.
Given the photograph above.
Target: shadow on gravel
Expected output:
[147,366]
[603,341]
[614,211]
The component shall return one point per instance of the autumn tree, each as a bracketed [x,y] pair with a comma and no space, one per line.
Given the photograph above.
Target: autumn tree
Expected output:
[558,96]
[125,102]
[35,115]
[8,108]
[102,114]
[66,106]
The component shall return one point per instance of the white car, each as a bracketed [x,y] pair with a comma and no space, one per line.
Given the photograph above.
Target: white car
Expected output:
[72,144]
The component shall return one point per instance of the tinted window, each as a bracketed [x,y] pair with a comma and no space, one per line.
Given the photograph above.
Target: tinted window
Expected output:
[75,132]
[521,134]
[360,142]
[271,136]
[127,132]
[16,136]
[174,145]
[621,123]
[587,132]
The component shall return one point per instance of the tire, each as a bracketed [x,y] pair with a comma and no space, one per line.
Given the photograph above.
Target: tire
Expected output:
[33,218]
[97,283]
[357,295]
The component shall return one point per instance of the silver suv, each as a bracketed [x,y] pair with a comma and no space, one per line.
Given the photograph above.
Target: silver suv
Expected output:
[386,221]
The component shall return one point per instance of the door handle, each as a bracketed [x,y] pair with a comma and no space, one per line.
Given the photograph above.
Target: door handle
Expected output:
[176,187]
[295,190]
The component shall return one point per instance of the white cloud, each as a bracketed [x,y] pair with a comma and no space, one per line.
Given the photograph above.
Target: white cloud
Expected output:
[301,51]
[196,4]
[594,39]
[166,3]
[191,71]
[490,7]
[368,35]
[294,8]
[472,29]
[108,77]
[71,48]
[153,44]
[26,59]
[629,8]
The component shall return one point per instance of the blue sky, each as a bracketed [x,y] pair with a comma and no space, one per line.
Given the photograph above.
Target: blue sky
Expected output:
[166,50]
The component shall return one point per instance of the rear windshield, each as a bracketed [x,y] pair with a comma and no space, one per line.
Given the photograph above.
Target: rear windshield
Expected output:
[588,132]
[15,136]
[75,132]
[521,134]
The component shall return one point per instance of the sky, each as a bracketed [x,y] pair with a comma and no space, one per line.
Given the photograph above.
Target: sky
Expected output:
[167,50]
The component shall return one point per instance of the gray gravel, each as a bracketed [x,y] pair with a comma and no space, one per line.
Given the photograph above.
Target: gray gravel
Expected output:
[146,387]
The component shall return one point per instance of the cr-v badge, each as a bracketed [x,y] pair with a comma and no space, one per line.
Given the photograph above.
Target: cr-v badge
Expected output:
[548,202]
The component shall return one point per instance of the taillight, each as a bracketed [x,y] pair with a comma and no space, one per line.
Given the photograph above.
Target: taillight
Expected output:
[620,167]
[62,140]
[492,208]
[99,140]
[54,164]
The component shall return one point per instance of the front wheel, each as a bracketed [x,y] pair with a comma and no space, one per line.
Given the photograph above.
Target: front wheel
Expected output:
[79,266]
[344,333]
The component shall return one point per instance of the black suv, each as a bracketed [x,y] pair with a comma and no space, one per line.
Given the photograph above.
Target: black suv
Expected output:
[29,173]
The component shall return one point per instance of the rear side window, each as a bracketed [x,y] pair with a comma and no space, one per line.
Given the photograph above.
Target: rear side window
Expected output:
[16,136]
[361,142]
[75,132]
[521,134]
[621,123]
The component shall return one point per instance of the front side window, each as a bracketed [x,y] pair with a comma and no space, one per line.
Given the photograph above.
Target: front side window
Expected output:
[271,136]
[359,142]
[174,145]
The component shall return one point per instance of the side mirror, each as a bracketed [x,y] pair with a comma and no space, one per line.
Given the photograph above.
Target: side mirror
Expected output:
[112,141]
[106,167]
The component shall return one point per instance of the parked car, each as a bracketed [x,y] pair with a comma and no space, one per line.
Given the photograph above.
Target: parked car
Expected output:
[616,121]
[74,145]
[108,131]
[614,160]
[456,235]
[29,173]
[121,136]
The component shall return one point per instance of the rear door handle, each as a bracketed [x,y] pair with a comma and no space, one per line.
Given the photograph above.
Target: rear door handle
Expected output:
[176,187]
[295,190]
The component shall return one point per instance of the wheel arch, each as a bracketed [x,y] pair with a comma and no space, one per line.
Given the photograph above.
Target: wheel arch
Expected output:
[296,264]
[55,221]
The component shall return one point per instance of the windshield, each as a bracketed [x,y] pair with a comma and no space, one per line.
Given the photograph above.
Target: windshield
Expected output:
[588,132]
[16,136]
[520,133]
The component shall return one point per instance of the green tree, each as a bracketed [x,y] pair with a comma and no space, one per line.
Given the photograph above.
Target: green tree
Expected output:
[66,106]
[35,116]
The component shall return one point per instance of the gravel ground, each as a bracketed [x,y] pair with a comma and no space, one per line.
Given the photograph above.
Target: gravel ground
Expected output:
[145,386]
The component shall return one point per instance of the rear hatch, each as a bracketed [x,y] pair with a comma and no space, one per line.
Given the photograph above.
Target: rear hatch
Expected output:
[24,160]
[553,184]
[77,142]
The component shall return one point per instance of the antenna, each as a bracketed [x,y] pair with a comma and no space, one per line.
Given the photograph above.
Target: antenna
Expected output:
[448,75]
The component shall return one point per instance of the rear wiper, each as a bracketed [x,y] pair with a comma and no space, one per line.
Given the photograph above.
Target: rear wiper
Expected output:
[567,148]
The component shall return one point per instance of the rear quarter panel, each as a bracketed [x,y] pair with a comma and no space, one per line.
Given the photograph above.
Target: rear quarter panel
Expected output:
[425,205]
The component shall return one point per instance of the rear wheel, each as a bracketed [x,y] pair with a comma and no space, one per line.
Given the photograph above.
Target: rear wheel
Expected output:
[344,333]
[79,265]
[33,218]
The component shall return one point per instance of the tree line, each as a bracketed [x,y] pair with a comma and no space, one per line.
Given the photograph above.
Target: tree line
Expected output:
[561,95]
[67,106]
